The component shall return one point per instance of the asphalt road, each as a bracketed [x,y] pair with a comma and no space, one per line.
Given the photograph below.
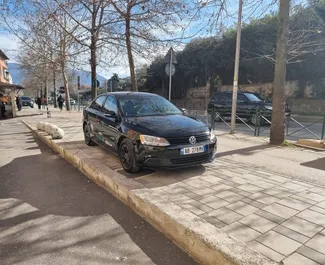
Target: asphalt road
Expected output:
[50,213]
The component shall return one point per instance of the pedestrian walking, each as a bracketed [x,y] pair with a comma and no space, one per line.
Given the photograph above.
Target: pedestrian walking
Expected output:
[39,102]
[19,103]
[60,102]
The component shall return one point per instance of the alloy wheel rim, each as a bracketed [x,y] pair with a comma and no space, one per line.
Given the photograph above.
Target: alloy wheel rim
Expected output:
[87,133]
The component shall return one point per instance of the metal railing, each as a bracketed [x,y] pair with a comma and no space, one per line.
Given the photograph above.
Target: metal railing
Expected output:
[261,124]
[303,127]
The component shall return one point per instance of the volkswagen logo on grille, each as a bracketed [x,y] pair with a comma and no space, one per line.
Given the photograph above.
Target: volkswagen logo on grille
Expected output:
[192,140]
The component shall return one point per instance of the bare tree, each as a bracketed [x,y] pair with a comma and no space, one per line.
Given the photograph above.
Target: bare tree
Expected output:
[145,24]
[90,19]
[43,36]
[278,112]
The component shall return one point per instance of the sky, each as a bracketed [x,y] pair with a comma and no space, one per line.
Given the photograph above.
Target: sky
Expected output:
[201,27]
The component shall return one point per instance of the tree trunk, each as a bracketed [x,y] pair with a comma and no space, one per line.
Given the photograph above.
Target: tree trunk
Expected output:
[129,51]
[93,62]
[66,85]
[54,89]
[46,92]
[63,70]
[93,58]
[278,112]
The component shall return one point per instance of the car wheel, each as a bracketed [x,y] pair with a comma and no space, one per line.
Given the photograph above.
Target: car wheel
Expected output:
[127,158]
[255,121]
[87,136]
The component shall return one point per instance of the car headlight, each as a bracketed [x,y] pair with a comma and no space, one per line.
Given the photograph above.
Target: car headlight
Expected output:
[212,136]
[268,107]
[153,141]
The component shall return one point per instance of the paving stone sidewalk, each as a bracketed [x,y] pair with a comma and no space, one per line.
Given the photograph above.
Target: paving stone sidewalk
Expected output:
[281,218]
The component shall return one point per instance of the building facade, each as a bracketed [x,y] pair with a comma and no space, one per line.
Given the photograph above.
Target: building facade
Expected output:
[4,73]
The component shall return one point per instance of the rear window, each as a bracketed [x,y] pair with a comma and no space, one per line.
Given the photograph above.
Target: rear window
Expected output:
[251,97]
[222,97]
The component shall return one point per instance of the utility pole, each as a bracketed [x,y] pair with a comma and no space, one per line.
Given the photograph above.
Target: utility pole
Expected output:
[170,76]
[235,85]
[278,112]
[78,85]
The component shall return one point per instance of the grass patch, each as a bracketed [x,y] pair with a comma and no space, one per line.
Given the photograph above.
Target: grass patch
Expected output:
[287,144]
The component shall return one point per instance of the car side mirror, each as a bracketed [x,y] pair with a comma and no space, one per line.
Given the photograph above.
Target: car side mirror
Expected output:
[184,111]
[110,114]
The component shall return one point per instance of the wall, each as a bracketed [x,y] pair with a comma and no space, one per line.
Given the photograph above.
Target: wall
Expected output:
[3,66]
[307,106]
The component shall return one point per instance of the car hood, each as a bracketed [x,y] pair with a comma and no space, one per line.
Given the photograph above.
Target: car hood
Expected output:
[167,126]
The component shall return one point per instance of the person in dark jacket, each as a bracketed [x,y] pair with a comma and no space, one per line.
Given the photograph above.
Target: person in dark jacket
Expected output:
[39,102]
[18,103]
[60,102]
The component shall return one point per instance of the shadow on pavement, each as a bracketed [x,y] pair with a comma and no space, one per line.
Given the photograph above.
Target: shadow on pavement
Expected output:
[46,198]
[317,164]
[245,151]
[161,178]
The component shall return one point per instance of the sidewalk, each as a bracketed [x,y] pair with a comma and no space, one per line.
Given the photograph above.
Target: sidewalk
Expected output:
[281,218]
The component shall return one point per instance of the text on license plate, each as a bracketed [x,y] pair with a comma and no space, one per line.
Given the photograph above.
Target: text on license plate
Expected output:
[193,150]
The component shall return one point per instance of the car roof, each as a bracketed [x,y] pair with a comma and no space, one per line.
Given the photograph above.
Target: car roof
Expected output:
[127,94]
[239,92]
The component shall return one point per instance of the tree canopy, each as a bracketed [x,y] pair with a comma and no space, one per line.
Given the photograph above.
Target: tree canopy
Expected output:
[211,59]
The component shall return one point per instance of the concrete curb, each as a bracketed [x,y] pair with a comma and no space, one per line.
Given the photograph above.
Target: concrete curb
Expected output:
[311,144]
[203,241]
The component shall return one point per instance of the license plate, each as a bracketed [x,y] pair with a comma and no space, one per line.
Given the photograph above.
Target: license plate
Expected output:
[193,150]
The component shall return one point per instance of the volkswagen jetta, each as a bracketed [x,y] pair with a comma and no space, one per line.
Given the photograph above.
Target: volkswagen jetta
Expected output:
[146,130]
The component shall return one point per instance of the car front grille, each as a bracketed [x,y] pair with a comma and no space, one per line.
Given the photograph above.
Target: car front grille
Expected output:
[190,159]
[185,139]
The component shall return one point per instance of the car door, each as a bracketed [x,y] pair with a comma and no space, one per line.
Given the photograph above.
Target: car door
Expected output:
[226,104]
[93,112]
[219,103]
[242,106]
[109,123]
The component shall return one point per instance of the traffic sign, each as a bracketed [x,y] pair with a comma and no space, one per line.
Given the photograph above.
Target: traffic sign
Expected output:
[167,69]
[167,57]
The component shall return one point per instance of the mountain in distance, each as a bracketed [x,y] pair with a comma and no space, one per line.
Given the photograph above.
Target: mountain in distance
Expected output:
[85,77]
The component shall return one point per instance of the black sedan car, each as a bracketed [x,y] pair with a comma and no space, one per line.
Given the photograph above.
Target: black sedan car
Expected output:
[27,101]
[146,130]
[247,105]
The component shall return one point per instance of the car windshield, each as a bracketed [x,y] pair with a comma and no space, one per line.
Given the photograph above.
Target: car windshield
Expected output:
[25,98]
[147,106]
[252,97]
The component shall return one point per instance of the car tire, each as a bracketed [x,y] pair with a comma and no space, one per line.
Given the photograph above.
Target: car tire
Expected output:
[87,137]
[127,157]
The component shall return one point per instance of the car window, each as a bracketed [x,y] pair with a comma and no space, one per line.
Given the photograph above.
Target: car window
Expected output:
[110,105]
[241,98]
[148,106]
[98,103]
[223,97]
[251,97]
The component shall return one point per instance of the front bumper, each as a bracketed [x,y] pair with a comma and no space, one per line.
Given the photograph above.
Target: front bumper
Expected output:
[170,157]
